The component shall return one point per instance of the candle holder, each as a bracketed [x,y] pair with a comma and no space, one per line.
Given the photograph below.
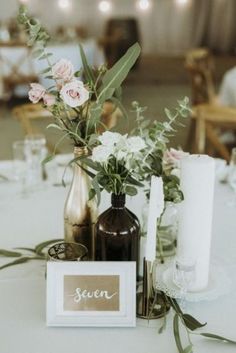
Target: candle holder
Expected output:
[151,304]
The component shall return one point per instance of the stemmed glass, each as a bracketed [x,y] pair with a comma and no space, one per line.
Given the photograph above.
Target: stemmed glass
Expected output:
[184,276]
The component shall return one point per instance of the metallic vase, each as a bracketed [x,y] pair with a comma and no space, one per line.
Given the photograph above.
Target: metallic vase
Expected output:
[80,213]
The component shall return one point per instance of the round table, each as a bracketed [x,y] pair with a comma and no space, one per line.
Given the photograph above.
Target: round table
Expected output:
[26,221]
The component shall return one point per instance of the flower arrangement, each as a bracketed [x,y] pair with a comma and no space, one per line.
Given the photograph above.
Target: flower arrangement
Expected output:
[115,162]
[121,163]
[76,105]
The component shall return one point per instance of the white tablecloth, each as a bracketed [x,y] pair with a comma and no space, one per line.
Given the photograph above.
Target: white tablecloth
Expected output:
[27,221]
[68,51]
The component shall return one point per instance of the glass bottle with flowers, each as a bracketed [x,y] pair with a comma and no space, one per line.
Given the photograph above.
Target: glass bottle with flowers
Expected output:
[77,107]
[114,162]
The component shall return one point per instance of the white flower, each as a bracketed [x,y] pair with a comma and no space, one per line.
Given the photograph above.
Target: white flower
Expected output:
[63,70]
[175,172]
[135,144]
[74,93]
[101,154]
[109,138]
[120,155]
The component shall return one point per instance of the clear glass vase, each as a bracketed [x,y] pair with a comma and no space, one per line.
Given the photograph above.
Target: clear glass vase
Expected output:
[80,213]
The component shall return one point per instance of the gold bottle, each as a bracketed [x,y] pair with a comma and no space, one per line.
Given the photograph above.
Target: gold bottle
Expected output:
[80,213]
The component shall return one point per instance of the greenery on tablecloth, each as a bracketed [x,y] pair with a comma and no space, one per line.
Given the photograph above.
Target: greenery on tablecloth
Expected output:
[27,254]
[39,252]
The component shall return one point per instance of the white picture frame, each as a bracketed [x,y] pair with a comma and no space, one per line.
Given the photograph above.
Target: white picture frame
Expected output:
[95,294]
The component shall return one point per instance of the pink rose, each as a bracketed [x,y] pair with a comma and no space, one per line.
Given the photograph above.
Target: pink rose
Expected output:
[49,100]
[63,70]
[36,93]
[172,157]
[74,93]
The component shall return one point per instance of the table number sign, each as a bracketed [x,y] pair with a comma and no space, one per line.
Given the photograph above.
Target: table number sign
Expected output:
[91,294]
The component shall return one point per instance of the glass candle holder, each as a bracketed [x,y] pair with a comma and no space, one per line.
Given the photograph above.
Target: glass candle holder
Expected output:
[67,252]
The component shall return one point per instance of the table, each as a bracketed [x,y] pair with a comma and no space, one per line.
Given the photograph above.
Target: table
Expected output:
[27,221]
[18,60]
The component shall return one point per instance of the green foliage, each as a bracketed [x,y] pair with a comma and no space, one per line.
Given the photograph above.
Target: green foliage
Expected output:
[37,253]
[190,324]
[80,123]
[156,136]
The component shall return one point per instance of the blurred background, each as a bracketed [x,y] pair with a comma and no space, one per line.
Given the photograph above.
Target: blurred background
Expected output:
[188,49]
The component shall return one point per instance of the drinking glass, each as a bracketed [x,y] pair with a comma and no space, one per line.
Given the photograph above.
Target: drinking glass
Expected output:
[35,150]
[184,276]
[19,164]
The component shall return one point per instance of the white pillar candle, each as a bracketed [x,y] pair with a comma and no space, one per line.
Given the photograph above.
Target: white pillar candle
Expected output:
[156,206]
[195,218]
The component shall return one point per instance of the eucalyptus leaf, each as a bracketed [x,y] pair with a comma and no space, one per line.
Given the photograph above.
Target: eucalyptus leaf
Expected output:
[48,159]
[89,75]
[188,349]
[217,337]
[92,193]
[114,77]
[9,253]
[40,247]
[45,71]
[27,249]
[18,261]
[45,56]
[177,334]
[130,190]
[90,163]
[191,322]
[36,53]
[92,175]
[96,187]
[54,126]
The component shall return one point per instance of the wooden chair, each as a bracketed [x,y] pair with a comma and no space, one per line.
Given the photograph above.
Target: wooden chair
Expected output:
[208,119]
[16,67]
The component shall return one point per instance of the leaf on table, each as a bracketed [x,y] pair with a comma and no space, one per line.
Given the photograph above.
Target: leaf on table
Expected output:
[191,322]
[27,249]
[188,349]
[18,261]
[217,337]
[9,253]
[177,334]
[175,306]
[40,247]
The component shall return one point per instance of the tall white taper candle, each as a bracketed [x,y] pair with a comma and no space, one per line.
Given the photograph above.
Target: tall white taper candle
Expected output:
[195,220]
[156,206]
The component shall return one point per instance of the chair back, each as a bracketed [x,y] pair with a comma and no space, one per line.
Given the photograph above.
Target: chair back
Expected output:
[200,66]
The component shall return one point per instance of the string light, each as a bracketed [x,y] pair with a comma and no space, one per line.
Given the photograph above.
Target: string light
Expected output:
[144,5]
[104,6]
[182,2]
[64,4]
